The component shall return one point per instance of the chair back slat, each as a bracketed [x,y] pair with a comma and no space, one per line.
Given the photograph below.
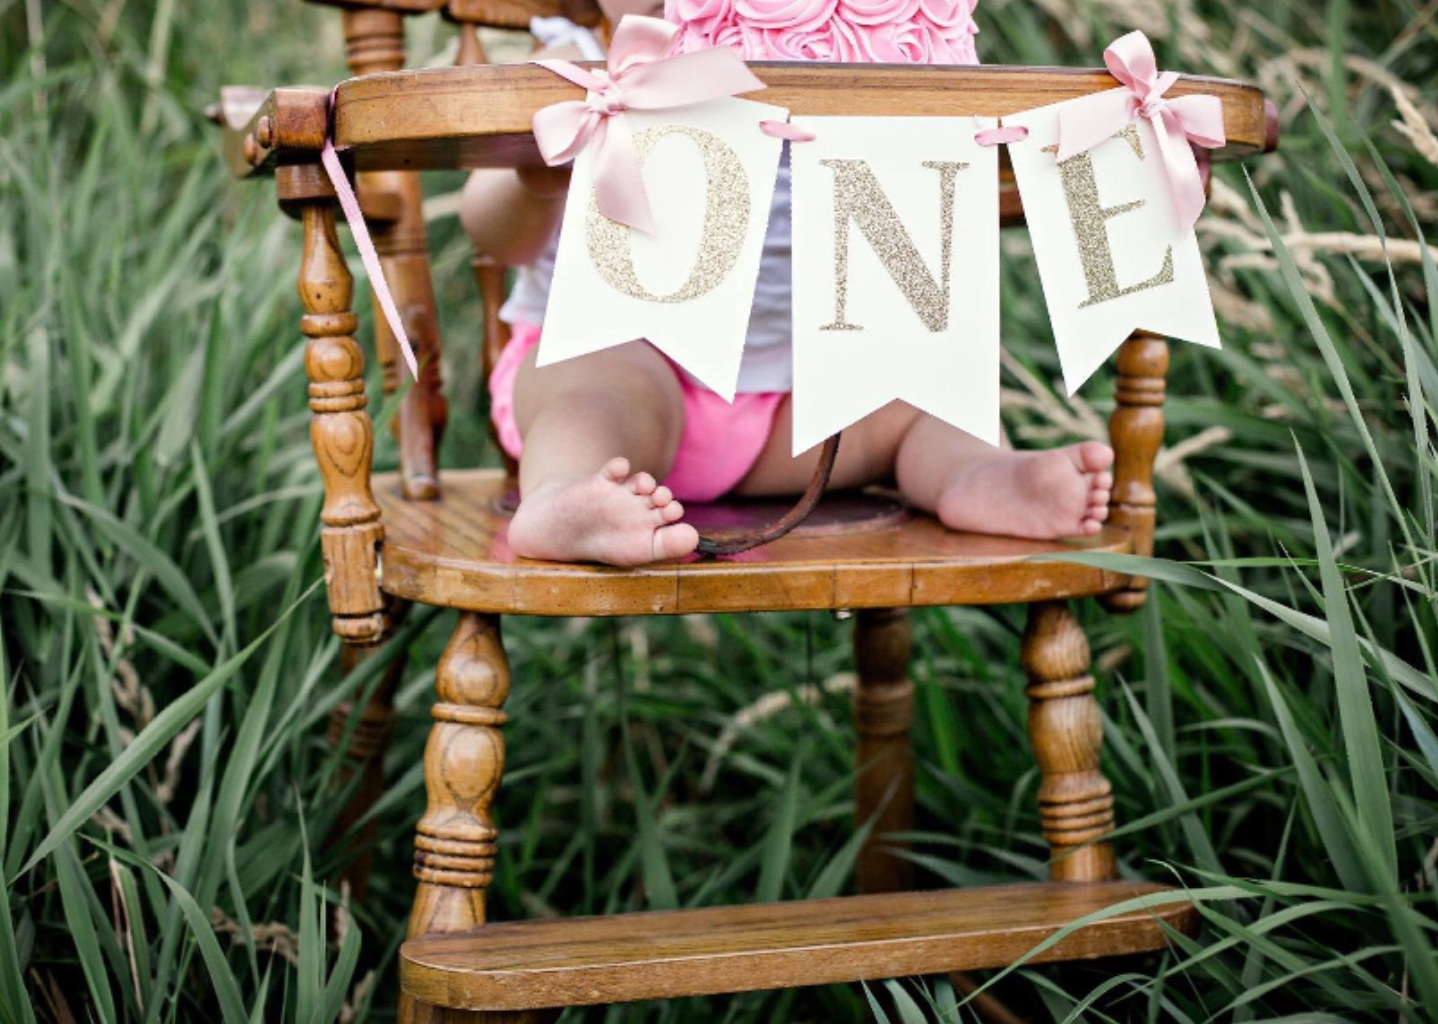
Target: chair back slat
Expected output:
[517,13]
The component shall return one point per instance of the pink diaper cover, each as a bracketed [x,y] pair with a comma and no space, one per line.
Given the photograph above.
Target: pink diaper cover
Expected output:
[719,445]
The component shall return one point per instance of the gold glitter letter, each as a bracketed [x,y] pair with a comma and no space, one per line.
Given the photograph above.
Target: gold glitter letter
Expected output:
[1090,219]
[858,197]
[726,216]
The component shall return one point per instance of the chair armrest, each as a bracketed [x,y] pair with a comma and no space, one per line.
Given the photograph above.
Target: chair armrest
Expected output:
[1136,431]
[259,125]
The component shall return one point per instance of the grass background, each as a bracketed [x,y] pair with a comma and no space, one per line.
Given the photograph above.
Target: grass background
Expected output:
[165,784]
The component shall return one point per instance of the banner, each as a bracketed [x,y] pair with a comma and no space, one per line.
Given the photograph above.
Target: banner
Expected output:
[1111,253]
[896,272]
[687,287]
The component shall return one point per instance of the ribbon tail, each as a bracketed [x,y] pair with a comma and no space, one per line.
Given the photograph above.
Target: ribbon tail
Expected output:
[618,182]
[368,255]
[571,72]
[1185,183]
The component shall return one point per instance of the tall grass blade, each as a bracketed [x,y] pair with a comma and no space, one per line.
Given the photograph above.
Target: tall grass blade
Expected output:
[149,743]
[1355,702]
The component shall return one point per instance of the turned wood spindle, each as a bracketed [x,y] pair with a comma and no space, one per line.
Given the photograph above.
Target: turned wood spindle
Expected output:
[374,42]
[1136,429]
[471,47]
[463,761]
[489,279]
[883,715]
[341,432]
[1075,800]
[454,843]
[489,274]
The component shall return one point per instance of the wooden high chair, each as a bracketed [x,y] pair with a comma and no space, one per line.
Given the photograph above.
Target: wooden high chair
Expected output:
[410,537]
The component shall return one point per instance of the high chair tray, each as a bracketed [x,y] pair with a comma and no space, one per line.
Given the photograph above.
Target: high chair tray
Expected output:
[627,957]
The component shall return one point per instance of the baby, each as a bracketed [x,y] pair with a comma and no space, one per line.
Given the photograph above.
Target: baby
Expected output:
[610,443]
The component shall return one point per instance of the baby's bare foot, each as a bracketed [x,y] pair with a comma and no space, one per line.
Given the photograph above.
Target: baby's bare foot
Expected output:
[611,517]
[1039,495]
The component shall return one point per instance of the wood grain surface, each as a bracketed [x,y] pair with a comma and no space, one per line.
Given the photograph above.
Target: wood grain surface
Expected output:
[1066,730]
[883,757]
[1136,428]
[480,116]
[340,432]
[374,43]
[627,957]
[453,553]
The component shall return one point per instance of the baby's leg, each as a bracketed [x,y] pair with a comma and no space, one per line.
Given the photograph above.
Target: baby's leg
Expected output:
[597,431]
[866,454]
[969,485]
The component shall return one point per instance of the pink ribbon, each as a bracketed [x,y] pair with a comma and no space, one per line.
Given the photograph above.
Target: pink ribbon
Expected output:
[1001,135]
[786,131]
[1179,123]
[368,255]
[639,75]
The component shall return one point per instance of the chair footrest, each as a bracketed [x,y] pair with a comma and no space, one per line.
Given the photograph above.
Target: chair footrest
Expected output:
[621,958]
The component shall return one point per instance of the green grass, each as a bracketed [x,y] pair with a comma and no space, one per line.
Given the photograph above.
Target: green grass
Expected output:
[165,784]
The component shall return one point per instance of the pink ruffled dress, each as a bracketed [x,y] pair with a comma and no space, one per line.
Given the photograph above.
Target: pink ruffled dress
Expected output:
[721,441]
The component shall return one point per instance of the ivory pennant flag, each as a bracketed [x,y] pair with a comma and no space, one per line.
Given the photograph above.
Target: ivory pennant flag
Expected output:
[896,272]
[687,287]
[1111,254]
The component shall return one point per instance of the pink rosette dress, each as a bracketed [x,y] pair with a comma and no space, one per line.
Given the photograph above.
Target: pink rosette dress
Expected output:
[847,31]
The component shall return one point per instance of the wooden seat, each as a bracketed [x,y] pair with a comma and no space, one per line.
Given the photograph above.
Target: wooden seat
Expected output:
[452,552]
[525,965]
[412,537]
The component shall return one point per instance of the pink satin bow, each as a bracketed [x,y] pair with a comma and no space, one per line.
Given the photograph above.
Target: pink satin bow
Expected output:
[639,76]
[1176,122]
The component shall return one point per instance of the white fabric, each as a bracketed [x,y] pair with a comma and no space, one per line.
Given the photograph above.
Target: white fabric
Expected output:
[768,353]
[560,31]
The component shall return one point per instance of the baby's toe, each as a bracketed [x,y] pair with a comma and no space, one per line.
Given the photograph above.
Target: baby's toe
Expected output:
[661,496]
[642,483]
[675,541]
[1093,456]
[1097,497]
[615,469]
[670,513]
[1103,481]
[1097,513]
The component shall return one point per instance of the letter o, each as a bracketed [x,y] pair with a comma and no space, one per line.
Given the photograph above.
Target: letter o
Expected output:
[726,219]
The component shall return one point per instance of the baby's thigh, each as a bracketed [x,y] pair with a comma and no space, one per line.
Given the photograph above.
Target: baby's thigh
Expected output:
[866,454]
[634,375]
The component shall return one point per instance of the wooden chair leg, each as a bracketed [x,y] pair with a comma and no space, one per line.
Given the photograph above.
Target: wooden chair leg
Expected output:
[454,844]
[1075,800]
[1136,430]
[340,432]
[883,713]
[365,755]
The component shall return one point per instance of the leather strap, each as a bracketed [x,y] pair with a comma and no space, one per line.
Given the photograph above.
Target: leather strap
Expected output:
[791,519]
